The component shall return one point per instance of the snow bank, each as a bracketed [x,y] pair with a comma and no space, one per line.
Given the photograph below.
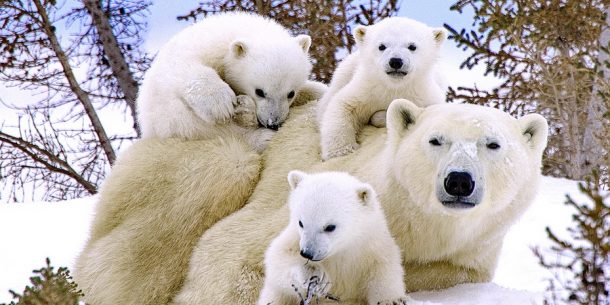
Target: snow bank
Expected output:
[33,231]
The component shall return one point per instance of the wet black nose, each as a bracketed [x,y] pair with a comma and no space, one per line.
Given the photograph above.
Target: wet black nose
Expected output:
[274,127]
[306,255]
[459,184]
[395,63]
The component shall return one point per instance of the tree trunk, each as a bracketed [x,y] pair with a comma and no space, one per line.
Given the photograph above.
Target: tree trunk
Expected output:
[74,86]
[117,61]
[592,138]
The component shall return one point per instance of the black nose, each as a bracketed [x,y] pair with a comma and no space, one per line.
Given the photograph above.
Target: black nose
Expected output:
[274,127]
[306,255]
[395,63]
[459,184]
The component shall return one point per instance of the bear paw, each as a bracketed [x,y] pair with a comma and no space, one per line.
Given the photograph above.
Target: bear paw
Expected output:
[339,151]
[259,139]
[398,301]
[245,111]
[311,283]
[212,102]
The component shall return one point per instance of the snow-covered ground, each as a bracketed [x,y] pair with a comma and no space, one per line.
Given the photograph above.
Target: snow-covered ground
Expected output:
[30,232]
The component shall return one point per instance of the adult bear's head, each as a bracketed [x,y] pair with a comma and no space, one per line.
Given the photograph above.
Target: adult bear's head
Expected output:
[460,158]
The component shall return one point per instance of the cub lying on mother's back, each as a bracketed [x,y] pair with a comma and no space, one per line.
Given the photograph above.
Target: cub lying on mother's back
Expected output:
[396,58]
[190,89]
[337,244]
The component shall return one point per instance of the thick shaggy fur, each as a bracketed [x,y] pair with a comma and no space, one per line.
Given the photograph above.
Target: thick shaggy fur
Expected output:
[365,83]
[441,247]
[159,198]
[337,223]
[191,87]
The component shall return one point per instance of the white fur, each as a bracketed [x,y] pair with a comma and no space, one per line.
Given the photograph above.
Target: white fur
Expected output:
[362,87]
[357,262]
[190,89]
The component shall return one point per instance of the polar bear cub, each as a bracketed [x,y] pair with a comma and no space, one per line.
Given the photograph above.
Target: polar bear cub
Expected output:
[336,245]
[190,89]
[396,58]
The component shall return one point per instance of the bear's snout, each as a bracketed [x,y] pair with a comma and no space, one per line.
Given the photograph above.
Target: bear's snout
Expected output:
[307,255]
[395,63]
[459,184]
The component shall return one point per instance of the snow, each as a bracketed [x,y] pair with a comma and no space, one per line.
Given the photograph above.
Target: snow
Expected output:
[30,232]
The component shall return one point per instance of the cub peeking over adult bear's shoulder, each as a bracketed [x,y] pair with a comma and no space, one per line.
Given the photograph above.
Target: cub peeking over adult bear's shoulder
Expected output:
[228,70]
[337,245]
[396,58]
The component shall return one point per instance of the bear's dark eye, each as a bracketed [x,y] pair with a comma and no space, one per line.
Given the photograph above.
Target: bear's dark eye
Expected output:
[382,47]
[435,142]
[329,228]
[290,94]
[412,47]
[493,145]
[260,92]
[300,224]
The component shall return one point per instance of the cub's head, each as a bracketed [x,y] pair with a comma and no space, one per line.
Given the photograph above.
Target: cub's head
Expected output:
[271,72]
[332,212]
[459,158]
[398,48]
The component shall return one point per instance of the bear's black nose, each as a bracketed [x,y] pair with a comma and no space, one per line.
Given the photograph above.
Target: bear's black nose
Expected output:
[395,63]
[459,184]
[306,255]
[274,127]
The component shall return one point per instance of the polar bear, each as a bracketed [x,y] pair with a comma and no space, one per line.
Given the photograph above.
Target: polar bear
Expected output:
[451,178]
[336,245]
[396,58]
[161,231]
[190,89]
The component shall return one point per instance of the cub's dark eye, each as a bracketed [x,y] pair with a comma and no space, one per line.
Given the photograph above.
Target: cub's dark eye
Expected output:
[329,228]
[493,145]
[300,224]
[291,94]
[382,47]
[412,47]
[260,92]
[435,142]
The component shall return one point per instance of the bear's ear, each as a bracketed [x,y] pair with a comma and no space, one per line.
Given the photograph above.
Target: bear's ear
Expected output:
[535,129]
[440,35]
[359,33]
[304,41]
[295,177]
[402,115]
[239,48]
[366,194]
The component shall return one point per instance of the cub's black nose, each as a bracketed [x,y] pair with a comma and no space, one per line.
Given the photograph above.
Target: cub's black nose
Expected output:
[274,127]
[306,255]
[459,184]
[395,63]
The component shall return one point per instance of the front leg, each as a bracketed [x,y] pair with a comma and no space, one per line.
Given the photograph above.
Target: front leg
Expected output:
[343,118]
[207,94]
[441,275]
[386,286]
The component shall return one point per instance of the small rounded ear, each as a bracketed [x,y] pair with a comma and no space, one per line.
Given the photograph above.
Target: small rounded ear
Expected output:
[304,41]
[535,129]
[366,194]
[402,115]
[440,35]
[359,33]
[239,48]
[295,177]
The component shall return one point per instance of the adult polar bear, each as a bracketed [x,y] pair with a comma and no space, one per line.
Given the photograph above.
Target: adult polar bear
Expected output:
[451,178]
[162,194]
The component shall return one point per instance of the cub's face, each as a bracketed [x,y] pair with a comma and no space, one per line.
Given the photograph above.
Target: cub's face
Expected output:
[397,49]
[271,73]
[330,212]
[456,158]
